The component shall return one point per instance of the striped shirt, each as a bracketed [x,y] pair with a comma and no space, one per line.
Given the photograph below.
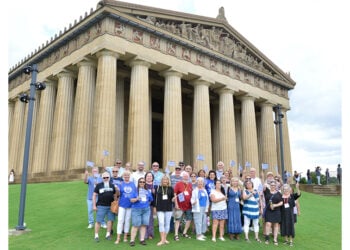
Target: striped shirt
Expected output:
[251,206]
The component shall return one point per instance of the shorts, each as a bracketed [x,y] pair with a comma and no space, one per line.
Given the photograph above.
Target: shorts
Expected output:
[178,213]
[102,211]
[219,214]
[140,216]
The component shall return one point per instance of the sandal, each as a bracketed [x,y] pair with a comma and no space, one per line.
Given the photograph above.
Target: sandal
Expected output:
[186,236]
[176,238]
[291,243]
[275,242]
[258,240]
[132,243]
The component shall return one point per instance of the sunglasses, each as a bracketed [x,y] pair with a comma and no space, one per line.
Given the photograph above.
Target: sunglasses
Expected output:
[105,177]
[115,171]
[141,182]
[118,163]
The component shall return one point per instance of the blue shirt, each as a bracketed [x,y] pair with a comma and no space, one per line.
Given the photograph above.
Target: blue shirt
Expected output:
[157,177]
[126,189]
[202,198]
[146,197]
[209,185]
[92,181]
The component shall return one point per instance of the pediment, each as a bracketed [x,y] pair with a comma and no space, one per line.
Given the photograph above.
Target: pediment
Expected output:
[215,34]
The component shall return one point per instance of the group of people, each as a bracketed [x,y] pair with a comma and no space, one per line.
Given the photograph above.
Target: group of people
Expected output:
[186,201]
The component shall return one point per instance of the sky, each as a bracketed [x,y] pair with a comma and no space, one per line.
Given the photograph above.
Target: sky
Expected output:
[303,37]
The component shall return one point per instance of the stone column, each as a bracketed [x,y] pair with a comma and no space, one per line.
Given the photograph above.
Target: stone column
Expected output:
[58,159]
[82,118]
[11,108]
[268,138]
[44,128]
[238,124]
[18,126]
[227,133]
[172,123]
[138,125]
[286,144]
[120,93]
[201,125]
[104,119]
[249,135]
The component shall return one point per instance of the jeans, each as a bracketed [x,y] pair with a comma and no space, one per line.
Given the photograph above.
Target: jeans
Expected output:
[164,219]
[124,215]
[200,221]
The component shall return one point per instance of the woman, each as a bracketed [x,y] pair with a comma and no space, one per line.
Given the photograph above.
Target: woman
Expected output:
[251,209]
[218,211]
[273,200]
[164,199]
[201,173]
[200,206]
[210,181]
[149,177]
[126,188]
[140,211]
[193,180]
[287,215]
[234,222]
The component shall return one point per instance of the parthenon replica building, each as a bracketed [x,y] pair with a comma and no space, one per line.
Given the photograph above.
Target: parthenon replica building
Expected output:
[138,83]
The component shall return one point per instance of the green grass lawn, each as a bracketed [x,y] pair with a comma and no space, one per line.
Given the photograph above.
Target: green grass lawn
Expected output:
[56,214]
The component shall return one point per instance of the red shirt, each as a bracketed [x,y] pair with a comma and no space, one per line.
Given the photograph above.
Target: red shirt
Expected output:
[183,190]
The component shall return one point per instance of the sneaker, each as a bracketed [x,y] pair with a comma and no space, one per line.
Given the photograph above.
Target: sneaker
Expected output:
[222,239]
[90,226]
[200,238]
[213,239]
[203,236]
[104,226]
[97,239]
[108,237]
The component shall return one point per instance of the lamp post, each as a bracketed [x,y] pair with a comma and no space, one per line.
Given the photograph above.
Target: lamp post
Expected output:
[278,121]
[33,70]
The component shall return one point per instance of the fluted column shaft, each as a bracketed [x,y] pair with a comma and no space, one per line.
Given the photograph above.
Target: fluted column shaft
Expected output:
[249,134]
[82,118]
[139,114]
[120,117]
[62,122]
[214,115]
[11,108]
[172,123]
[16,132]
[268,138]
[201,125]
[104,120]
[44,128]
[227,132]
[286,144]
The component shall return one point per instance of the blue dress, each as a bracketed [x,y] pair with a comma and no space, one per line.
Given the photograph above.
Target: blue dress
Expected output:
[234,223]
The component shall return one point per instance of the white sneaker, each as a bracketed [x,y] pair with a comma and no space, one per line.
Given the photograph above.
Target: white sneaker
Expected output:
[90,226]
[213,239]
[200,238]
[203,236]
[104,226]
[222,239]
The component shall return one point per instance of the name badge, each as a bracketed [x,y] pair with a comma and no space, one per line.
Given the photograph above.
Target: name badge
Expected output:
[165,196]
[202,194]
[143,198]
[286,205]
[186,193]
[181,197]
[237,200]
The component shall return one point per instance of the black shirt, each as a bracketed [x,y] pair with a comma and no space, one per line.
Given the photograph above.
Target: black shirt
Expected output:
[105,194]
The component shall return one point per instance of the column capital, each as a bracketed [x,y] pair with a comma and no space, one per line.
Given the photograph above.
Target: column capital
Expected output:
[137,61]
[247,97]
[224,90]
[267,103]
[198,82]
[170,72]
[66,73]
[87,62]
[106,52]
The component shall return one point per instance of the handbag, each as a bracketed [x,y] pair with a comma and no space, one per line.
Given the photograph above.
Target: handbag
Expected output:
[115,206]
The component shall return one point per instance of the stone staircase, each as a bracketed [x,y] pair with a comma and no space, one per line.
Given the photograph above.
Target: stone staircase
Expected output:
[325,190]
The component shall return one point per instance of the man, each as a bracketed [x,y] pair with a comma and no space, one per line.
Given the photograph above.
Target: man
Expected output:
[116,180]
[182,167]
[183,207]
[126,167]
[138,173]
[92,182]
[176,176]
[156,173]
[339,174]
[219,169]
[104,194]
